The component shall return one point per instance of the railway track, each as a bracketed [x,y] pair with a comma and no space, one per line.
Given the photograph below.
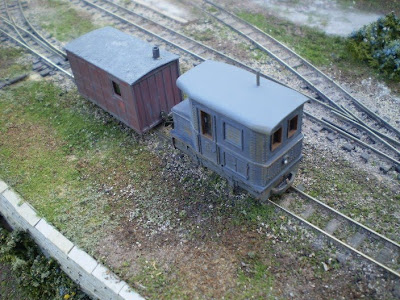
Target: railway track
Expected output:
[341,229]
[342,119]
[170,37]
[50,57]
[364,233]
[326,88]
[199,52]
[365,242]
[350,236]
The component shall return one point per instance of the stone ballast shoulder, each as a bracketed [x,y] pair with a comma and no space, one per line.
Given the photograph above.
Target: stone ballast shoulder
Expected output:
[95,279]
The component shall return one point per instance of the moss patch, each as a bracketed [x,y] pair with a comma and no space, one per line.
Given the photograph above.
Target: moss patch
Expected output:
[382,6]
[64,22]
[315,46]
[53,150]
[11,64]
[353,192]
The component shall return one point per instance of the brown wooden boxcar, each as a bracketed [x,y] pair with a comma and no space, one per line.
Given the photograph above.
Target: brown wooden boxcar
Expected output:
[126,76]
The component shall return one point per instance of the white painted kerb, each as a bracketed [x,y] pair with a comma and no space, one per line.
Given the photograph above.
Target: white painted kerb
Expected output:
[94,278]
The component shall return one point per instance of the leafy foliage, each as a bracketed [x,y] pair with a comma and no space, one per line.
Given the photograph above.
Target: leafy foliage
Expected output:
[40,277]
[379,44]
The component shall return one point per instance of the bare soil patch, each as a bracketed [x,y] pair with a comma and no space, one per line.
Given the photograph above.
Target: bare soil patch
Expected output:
[174,230]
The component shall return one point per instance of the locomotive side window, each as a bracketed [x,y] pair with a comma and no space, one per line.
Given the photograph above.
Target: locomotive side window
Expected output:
[276,139]
[206,124]
[292,126]
[116,88]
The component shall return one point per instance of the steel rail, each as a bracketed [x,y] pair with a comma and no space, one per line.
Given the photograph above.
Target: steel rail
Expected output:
[32,35]
[339,111]
[212,50]
[360,126]
[387,138]
[336,240]
[330,236]
[38,54]
[391,159]
[224,56]
[367,229]
[291,69]
[228,58]
[54,49]
[13,23]
[283,209]
[347,94]
[157,12]
[341,128]
[141,28]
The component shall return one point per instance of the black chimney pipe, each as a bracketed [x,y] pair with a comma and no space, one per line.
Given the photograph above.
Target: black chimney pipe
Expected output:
[156,52]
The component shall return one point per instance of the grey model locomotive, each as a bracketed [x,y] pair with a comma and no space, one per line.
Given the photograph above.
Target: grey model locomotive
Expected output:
[246,130]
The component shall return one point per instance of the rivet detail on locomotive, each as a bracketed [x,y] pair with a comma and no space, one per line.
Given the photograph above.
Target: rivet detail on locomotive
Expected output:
[246,129]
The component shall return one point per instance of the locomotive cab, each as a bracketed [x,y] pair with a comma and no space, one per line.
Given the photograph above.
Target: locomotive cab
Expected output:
[248,133]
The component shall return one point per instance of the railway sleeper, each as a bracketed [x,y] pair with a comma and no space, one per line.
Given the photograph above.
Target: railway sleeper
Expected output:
[385,168]
[287,201]
[12,81]
[356,240]
[245,32]
[387,256]
[331,137]
[319,243]
[343,256]
[45,72]
[38,67]
[332,225]
[365,157]
[297,65]
[307,212]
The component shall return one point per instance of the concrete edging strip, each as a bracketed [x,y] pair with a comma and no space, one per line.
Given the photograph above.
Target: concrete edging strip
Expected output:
[95,279]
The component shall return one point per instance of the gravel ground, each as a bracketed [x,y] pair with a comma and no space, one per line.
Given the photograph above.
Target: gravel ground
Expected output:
[188,230]
[328,16]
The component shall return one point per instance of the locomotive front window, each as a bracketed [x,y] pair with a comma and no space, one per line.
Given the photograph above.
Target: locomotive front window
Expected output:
[206,124]
[292,126]
[116,88]
[276,139]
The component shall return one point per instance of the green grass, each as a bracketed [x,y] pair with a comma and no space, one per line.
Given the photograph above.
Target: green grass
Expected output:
[255,281]
[314,45]
[64,22]
[212,9]
[317,47]
[53,151]
[351,192]
[153,278]
[62,154]
[8,60]
[375,6]
[204,35]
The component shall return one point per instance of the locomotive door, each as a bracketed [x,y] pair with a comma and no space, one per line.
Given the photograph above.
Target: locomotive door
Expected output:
[208,146]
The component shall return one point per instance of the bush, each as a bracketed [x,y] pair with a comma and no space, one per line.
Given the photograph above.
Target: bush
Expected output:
[379,44]
[40,278]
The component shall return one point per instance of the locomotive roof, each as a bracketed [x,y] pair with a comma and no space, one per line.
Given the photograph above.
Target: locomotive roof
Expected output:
[234,93]
[120,54]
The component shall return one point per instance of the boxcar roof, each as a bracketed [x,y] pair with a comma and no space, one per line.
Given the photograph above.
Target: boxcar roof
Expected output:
[233,92]
[120,54]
